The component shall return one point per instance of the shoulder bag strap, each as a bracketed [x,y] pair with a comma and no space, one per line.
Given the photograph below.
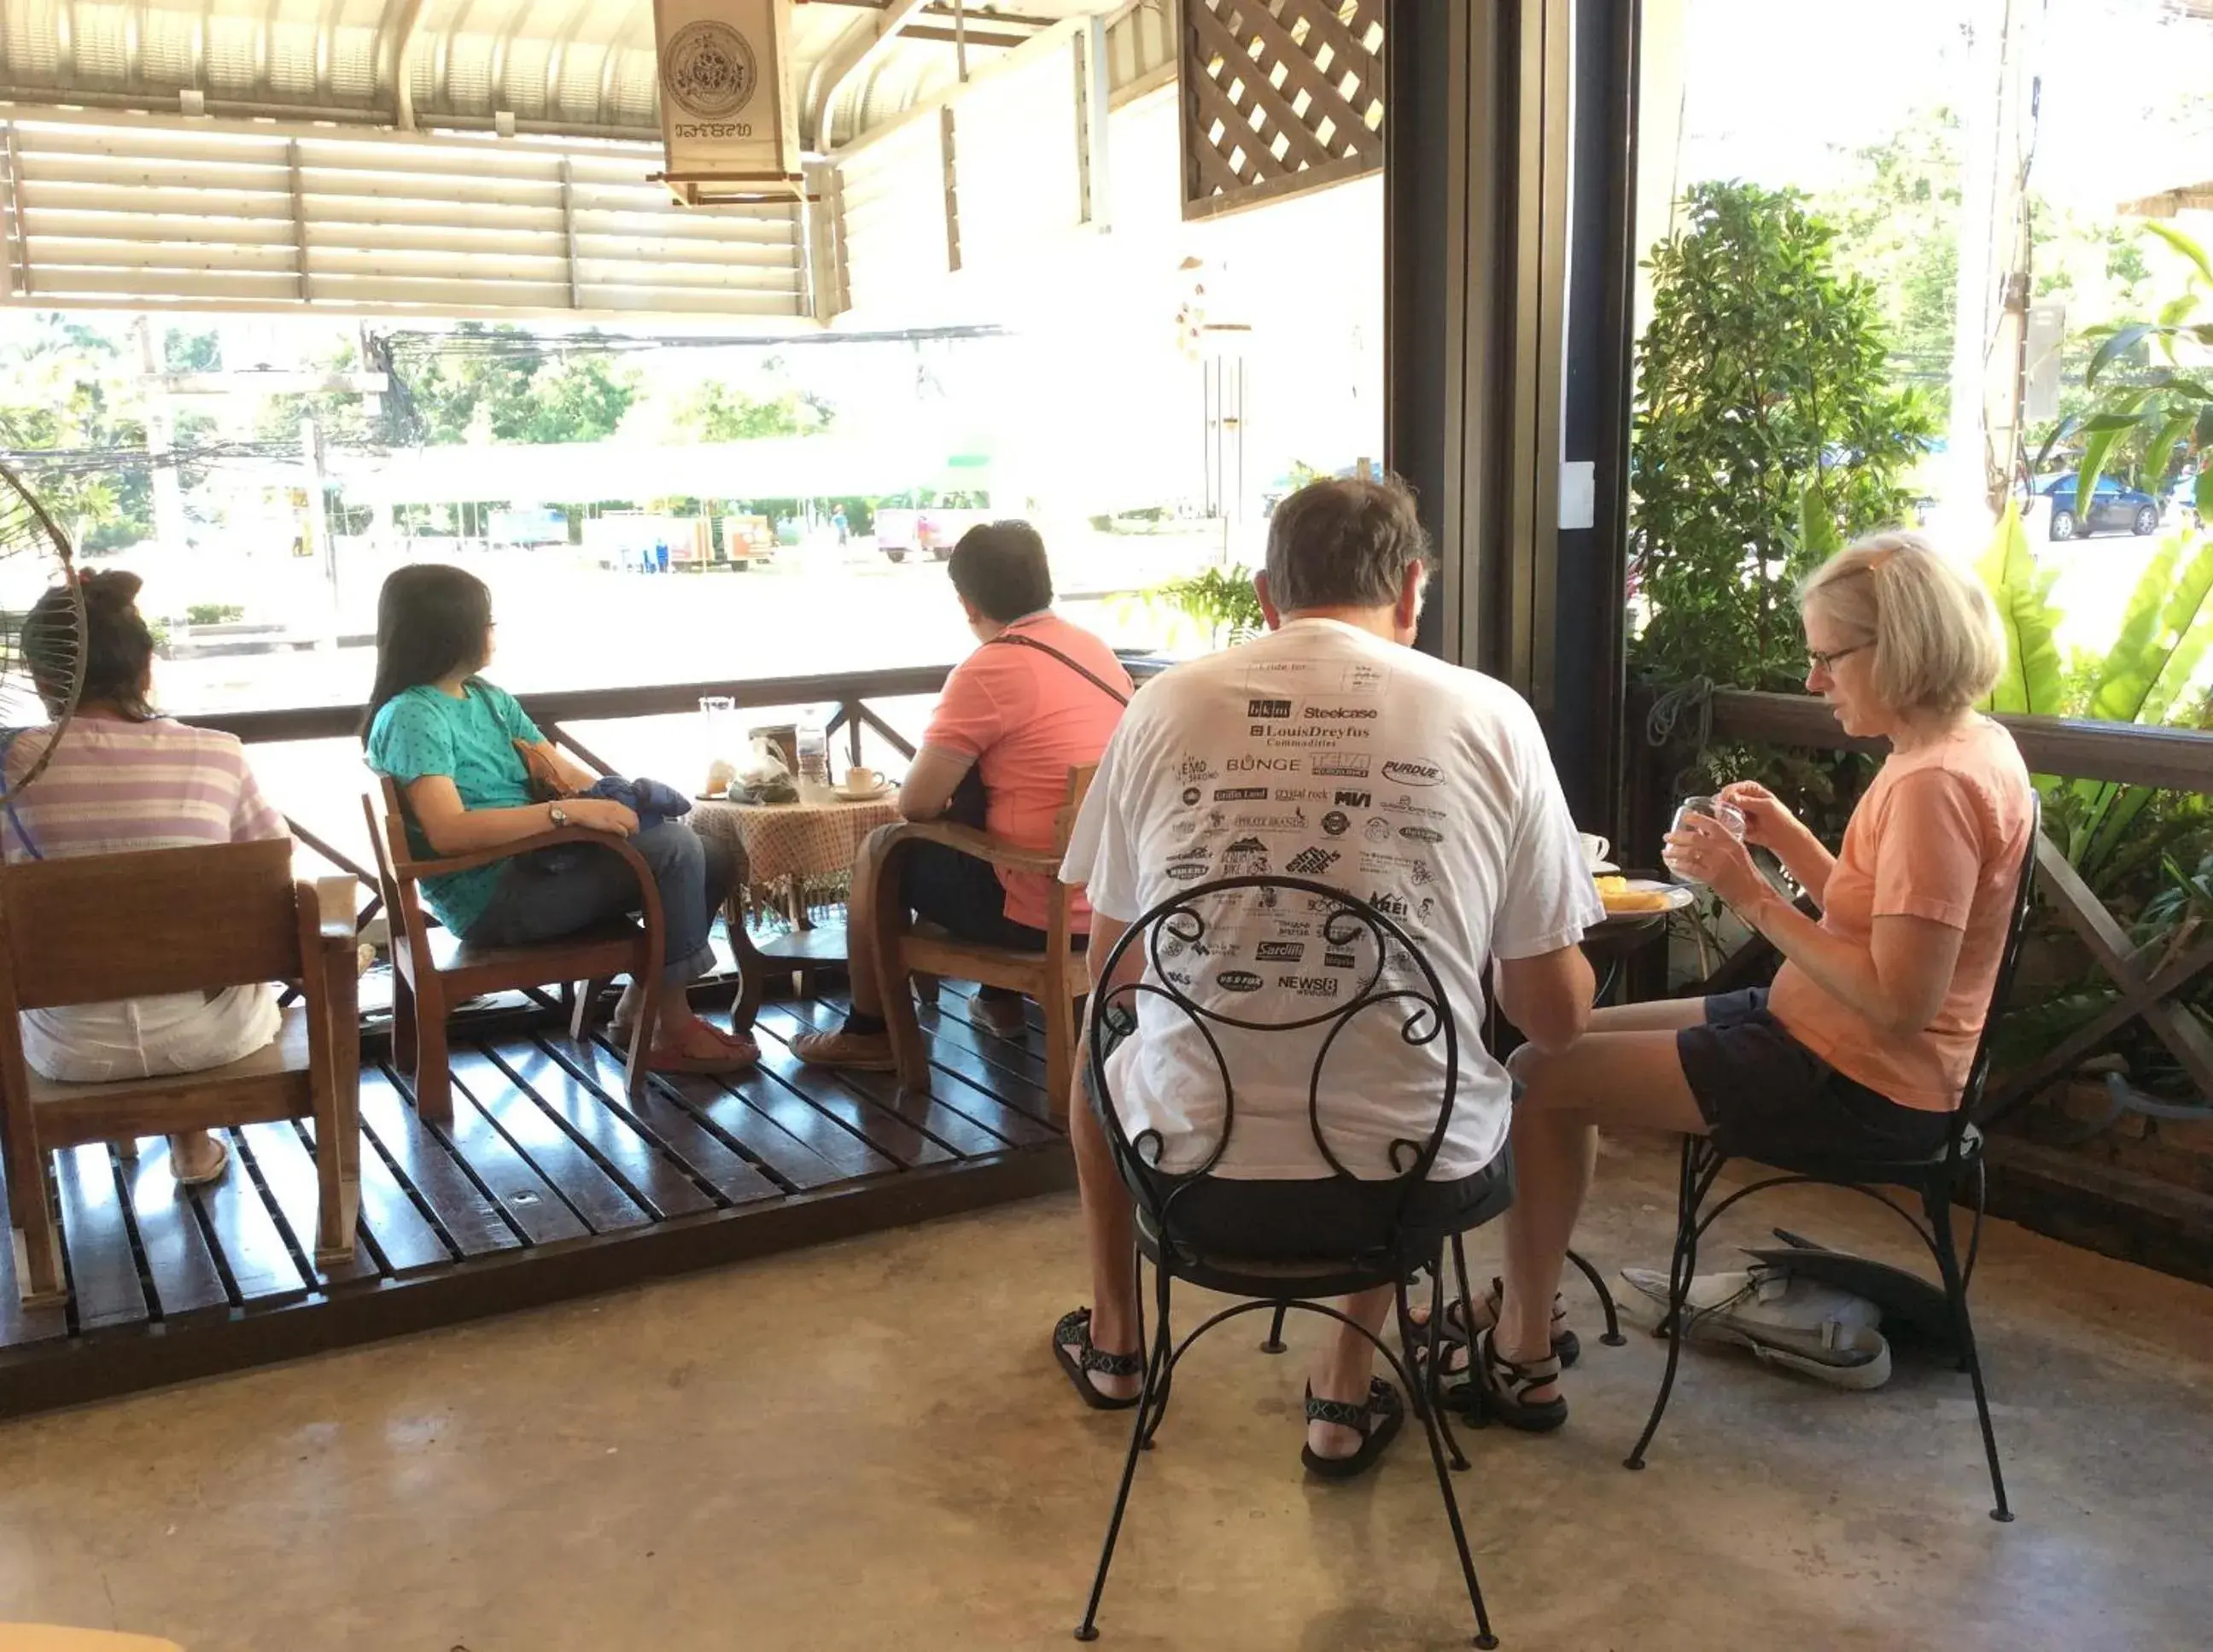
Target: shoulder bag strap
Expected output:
[1096,681]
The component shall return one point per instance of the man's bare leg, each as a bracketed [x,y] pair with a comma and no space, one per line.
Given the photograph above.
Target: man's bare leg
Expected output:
[1109,1240]
[1341,1370]
[1626,1078]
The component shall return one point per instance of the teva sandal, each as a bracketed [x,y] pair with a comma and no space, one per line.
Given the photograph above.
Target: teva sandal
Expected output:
[215,1171]
[1072,1347]
[1567,1347]
[1378,1419]
[1502,1388]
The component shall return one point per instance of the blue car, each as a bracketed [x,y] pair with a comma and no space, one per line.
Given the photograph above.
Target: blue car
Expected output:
[2111,508]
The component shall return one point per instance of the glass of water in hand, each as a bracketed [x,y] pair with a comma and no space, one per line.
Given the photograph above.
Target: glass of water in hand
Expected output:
[1713,808]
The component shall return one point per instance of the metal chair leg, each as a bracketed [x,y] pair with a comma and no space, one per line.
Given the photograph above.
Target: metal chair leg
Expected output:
[1432,1418]
[1681,1267]
[1275,1343]
[1939,1207]
[1140,1436]
[1613,1338]
[1432,1366]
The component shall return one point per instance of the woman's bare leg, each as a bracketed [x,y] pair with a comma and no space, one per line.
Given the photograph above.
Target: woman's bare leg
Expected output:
[1658,1015]
[1619,1077]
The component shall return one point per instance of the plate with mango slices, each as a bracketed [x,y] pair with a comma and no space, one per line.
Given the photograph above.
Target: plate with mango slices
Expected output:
[1623,896]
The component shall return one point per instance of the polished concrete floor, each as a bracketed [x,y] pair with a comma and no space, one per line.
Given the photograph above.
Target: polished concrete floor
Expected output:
[868,1445]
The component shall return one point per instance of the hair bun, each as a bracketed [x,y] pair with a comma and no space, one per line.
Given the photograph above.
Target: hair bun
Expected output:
[109,591]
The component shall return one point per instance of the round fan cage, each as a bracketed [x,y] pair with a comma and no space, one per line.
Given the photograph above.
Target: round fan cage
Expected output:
[41,667]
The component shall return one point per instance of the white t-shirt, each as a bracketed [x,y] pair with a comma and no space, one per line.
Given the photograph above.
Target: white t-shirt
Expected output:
[1321,751]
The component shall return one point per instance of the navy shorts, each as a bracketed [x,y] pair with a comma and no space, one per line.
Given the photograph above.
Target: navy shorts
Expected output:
[1766,1097]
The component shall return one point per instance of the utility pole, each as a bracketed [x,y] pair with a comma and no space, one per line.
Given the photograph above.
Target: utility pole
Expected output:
[169,529]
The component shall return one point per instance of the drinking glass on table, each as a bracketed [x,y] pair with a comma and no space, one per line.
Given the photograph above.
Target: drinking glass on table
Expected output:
[1713,808]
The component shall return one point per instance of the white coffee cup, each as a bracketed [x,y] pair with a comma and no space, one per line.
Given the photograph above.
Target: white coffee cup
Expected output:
[1594,848]
[862,780]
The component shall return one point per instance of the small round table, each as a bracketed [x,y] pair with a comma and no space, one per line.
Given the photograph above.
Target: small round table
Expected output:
[797,856]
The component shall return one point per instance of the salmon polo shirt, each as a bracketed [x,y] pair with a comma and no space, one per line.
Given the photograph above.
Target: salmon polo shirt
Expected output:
[1025,719]
[1939,836]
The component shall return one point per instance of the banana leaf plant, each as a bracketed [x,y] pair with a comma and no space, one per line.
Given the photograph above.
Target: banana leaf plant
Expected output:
[2168,406]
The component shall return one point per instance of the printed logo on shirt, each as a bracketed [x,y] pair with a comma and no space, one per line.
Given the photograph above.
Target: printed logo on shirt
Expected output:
[1237,980]
[1251,763]
[1270,709]
[1377,831]
[1192,770]
[1240,794]
[1191,795]
[1387,865]
[1409,773]
[1180,977]
[1187,868]
[1312,862]
[1356,679]
[1350,800]
[1336,823]
[1310,986]
[1184,827]
[1339,713]
[1279,952]
[1294,821]
[1389,903]
[1354,767]
[1422,834]
[1308,734]
[1248,858]
[1422,875]
[1296,929]
[1404,804]
[1300,795]
[1339,960]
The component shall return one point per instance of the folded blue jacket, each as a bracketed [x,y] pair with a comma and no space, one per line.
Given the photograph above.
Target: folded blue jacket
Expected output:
[650,801]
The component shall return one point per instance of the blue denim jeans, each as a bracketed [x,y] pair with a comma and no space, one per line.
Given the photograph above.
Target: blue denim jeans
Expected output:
[558,891]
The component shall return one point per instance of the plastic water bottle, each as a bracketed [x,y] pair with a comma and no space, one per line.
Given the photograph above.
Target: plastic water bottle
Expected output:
[813,755]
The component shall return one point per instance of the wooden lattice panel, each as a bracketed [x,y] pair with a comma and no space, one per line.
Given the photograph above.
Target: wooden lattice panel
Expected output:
[1279,96]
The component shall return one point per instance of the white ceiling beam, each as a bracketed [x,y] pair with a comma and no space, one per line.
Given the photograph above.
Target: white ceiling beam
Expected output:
[853,51]
[401,48]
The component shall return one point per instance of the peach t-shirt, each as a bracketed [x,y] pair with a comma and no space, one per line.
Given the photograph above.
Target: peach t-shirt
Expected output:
[1027,720]
[1939,836]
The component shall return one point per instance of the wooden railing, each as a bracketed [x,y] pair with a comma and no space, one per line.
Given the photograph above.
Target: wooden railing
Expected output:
[849,691]
[2175,759]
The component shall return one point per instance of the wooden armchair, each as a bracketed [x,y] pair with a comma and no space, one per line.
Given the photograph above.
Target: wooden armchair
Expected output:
[1056,977]
[101,927]
[432,970]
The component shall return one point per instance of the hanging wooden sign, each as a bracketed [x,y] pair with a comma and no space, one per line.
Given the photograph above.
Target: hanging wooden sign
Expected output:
[727,116]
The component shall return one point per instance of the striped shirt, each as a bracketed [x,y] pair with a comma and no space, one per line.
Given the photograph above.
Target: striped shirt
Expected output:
[114,788]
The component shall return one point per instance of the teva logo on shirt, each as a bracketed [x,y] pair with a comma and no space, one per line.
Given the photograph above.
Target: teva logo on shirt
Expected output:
[1343,767]
[1352,800]
[1237,980]
[1312,862]
[1270,709]
[1279,952]
[1413,774]
[1310,986]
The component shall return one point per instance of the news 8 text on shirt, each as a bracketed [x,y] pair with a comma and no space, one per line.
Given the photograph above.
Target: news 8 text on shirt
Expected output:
[1326,752]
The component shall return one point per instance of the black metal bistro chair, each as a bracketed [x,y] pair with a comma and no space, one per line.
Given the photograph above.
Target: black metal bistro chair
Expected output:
[1213,958]
[1937,1179]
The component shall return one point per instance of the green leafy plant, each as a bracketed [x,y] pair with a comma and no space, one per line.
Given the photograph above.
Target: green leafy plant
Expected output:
[213,613]
[2149,421]
[1767,433]
[1222,599]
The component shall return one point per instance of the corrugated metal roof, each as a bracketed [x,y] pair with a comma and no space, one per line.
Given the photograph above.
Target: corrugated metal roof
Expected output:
[576,66]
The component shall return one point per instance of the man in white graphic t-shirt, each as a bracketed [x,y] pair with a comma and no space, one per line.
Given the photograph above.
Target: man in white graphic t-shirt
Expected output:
[1327,749]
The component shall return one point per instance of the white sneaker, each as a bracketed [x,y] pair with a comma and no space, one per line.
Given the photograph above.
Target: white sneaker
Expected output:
[1798,1323]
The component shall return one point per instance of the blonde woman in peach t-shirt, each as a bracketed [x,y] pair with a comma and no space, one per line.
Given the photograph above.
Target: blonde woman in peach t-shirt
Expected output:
[1863,1045]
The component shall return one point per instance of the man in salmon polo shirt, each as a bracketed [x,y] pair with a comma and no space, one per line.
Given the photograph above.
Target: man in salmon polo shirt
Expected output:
[1037,697]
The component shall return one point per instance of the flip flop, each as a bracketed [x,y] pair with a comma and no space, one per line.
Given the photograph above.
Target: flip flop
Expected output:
[1072,1347]
[213,1174]
[735,1055]
[1378,1419]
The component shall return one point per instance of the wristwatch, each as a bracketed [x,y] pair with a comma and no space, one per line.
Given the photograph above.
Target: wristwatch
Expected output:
[558,816]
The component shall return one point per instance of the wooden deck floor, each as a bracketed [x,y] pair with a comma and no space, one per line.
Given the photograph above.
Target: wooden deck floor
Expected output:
[547,1184]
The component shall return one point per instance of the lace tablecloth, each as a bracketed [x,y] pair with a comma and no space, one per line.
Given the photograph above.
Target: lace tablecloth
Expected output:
[798,856]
